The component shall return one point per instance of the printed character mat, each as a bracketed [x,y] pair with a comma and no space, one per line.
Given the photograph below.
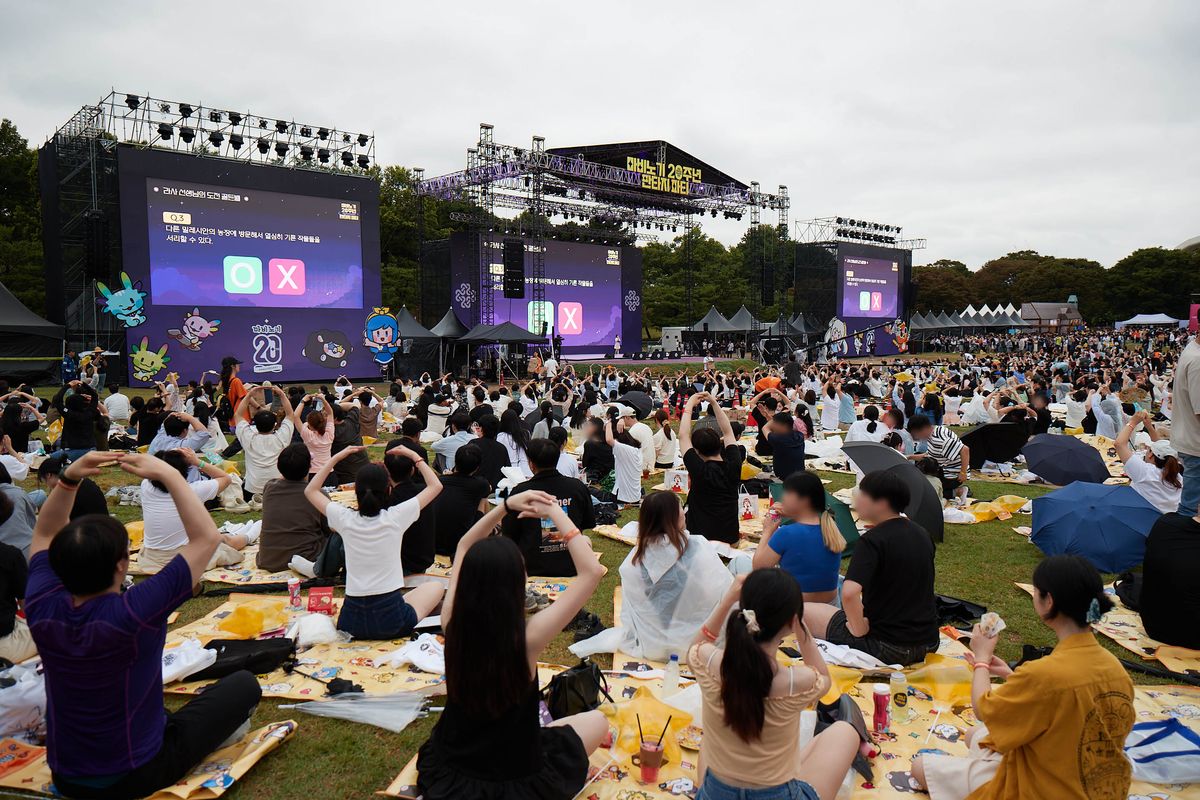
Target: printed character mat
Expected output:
[245,573]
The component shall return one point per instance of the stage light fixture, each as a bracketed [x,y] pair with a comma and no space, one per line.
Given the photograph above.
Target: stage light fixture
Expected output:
[306,152]
[165,130]
[235,141]
[281,149]
[306,132]
[164,108]
[347,159]
[264,146]
[187,134]
[185,110]
[323,155]
[363,139]
[364,161]
[215,138]
[133,101]
[214,116]
[281,126]
[839,220]
[345,138]
[235,118]
[262,123]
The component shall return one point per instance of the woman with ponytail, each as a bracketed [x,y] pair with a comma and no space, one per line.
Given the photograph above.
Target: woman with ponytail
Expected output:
[1156,474]
[867,429]
[752,704]
[373,534]
[809,547]
[1056,727]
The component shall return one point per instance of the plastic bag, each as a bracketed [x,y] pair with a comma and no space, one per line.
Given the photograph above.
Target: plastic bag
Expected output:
[22,705]
[250,619]
[313,629]
[136,531]
[392,712]
[1164,751]
[946,680]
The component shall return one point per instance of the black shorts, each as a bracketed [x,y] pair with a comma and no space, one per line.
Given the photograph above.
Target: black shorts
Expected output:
[949,485]
[888,652]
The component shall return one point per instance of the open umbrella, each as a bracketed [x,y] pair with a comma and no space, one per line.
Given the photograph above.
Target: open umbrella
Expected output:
[925,504]
[1061,460]
[639,401]
[841,516]
[995,441]
[872,456]
[1107,525]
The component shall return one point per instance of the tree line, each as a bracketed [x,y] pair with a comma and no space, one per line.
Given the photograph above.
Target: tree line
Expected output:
[765,270]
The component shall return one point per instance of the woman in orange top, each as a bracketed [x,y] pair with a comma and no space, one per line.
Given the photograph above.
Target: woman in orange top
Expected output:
[231,384]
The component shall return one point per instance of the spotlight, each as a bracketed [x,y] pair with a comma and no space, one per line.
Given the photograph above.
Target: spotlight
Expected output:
[714,213]
[323,155]
[164,108]
[235,141]
[306,152]
[345,138]
[235,118]
[133,101]
[165,130]
[363,139]
[215,138]
[281,149]
[262,123]
[306,132]
[322,133]
[187,134]
[281,126]
[214,116]
[347,159]
[185,110]
[263,146]
[839,220]
[363,161]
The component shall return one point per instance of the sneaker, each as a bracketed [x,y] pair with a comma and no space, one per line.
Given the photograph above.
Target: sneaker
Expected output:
[535,601]
[584,620]
[255,503]
[595,628]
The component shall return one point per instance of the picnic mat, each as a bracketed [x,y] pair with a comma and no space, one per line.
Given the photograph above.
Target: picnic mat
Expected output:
[1124,626]
[245,573]
[24,766]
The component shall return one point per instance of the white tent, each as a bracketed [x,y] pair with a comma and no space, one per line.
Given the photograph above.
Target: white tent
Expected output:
[969,311]
[1010,309]
[1149,319]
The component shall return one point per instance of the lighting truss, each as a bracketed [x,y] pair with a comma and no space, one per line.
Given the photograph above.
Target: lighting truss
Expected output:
[219,132]
[825,230]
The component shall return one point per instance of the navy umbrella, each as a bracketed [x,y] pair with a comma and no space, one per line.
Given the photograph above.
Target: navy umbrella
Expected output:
[1107,525]
[1062,460]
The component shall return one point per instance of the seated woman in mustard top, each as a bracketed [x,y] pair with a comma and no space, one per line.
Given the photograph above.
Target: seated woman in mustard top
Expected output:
[1056,727]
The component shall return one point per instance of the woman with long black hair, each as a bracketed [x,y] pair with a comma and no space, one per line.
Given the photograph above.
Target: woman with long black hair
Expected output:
[515,438]
[752,704]
[489,742]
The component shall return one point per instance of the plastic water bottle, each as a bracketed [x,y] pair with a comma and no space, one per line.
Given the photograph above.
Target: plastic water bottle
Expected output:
[808,726]
[671,677]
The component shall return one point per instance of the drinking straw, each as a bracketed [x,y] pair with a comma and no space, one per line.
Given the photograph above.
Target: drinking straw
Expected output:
[937,713]
[664,733]
[641,736]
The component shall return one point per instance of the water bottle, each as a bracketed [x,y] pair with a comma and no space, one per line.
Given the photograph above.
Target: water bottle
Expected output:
[808,726]
[671,677]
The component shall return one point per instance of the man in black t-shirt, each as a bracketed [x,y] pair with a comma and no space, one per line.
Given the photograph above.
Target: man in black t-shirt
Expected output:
[417,547]
[462,501]
[888,606]
[545,551]
[346,433]
[494,456]
[714,465]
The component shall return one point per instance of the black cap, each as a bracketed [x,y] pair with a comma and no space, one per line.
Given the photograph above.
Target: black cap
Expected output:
[229,361]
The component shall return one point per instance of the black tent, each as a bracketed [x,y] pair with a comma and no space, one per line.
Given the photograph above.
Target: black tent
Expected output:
[409,327]
[504,333]
[449,327]
[31,348]
[781,327]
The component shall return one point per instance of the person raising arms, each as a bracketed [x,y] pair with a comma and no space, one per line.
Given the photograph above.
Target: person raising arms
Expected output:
[489,742]
[714,464]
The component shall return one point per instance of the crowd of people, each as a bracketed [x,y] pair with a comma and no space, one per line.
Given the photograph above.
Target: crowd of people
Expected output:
[504,480]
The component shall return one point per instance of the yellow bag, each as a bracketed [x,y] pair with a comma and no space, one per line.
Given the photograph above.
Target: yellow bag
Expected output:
[843,679]
[250,619]
[654,715]
[1010,503]
[983,512]
[54,430]
[369,440]
[748,471]
[136,531]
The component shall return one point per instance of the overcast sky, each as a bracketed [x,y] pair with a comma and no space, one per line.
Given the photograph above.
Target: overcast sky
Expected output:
[1072,128]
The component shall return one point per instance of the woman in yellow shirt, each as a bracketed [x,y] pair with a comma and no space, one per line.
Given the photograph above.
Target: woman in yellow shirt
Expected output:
[1056,727]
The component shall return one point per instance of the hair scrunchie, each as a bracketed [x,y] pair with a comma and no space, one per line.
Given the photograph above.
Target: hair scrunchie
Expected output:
[751,620]
[1093,612]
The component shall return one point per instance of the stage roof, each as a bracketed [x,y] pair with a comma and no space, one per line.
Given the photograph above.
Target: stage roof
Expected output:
[655,153]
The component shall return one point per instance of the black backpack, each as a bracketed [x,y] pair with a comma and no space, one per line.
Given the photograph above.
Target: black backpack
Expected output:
[258,656]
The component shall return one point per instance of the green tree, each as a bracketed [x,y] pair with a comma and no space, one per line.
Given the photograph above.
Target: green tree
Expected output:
[942,286]
[1154,280]
[20,220]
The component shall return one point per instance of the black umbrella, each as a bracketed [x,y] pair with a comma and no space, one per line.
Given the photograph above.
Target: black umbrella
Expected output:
[925,503]
[535,416]
[639,401]
[872,456]
[1062,460]
[995,441]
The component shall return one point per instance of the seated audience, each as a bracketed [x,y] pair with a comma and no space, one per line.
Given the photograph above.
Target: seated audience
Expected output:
[462,502]
[410,437]
[459,433]
[101,648]
[291,527]
[515,438]
[1156,474]
[347,435]
[809,547]
[567,464]
[752,704]
[89,498]
[261,440]
[16,643]
[375,606]
[714,465]
[418,549]
[597,461]
[1170,597]
[17,530]
[163,528]
[316,431]
[666,443]
[1057,725]
[627,462]
[546,554]
[867,429]
[888,607]
[494,454]
[489,741]
[786,443]
[180,430]
[947,450]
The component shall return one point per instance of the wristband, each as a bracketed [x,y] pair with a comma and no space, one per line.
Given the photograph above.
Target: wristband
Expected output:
[982,665]
[70,483]
[707,634]
[569,535]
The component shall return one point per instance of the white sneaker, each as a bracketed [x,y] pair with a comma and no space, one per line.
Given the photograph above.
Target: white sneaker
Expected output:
[303,566]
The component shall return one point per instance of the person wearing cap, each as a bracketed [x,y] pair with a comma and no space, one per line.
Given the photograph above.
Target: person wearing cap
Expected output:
[640,431]
[100,363]
[1156,474]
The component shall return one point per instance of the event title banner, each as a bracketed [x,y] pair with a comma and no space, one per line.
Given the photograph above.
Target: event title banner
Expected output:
[658,176]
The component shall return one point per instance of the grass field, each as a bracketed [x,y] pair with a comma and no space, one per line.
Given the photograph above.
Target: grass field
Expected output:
[331,758]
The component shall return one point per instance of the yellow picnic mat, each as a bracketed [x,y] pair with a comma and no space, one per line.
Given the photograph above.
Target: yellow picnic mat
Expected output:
[246,573]
[24,766]
[1124,626]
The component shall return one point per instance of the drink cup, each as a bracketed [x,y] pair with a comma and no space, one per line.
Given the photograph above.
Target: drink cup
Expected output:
[650,757]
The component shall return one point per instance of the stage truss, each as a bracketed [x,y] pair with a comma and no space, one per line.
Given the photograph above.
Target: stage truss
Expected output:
[606,202]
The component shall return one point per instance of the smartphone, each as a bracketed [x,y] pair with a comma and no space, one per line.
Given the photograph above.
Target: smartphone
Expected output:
[317,404]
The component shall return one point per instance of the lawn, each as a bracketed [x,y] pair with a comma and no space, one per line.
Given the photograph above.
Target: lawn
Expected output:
[330,758]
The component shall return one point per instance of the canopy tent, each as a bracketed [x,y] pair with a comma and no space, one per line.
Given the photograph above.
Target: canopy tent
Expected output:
[743,321]
[781,327]
[1014,320]
[801,324]
[409,328]
[918,323]
[956,321]
[449,327]
[30,347]
[1148,319]
[715,322]
[504,333]
[944,321]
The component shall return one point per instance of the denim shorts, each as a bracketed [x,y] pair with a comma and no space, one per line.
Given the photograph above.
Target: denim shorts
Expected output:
[378,616]
[714,788]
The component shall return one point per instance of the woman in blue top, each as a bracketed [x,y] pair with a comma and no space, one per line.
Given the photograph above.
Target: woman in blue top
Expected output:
[810,546]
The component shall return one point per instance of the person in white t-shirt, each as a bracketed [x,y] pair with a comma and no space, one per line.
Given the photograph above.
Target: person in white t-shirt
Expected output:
[627,458]
[550,365]
[375,607]
[567,464]
[117,405]
[869,428]
[164,536]
[666,443]
[262,440]
[640,431]
[1157,474]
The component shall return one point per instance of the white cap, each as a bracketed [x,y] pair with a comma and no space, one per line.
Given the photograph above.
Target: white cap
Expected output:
[1161,448]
